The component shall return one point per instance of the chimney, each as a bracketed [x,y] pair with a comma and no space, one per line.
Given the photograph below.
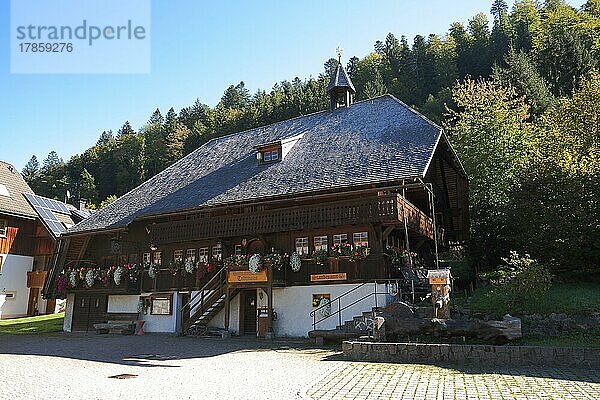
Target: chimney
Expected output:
[81,204]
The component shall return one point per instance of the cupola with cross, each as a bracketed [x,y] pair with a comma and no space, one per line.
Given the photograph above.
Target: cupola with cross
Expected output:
[340,89]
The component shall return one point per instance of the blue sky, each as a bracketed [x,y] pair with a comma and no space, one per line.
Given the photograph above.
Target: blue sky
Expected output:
[198,49]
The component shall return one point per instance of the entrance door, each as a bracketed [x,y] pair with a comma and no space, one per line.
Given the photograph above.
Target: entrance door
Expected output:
[248,317]
[89,309]
[32,306]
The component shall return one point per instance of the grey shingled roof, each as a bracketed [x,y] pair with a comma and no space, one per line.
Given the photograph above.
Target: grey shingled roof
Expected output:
[340,78]
[374,141]
[16,185]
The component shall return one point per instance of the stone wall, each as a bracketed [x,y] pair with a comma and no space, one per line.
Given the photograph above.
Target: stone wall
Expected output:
[477,354]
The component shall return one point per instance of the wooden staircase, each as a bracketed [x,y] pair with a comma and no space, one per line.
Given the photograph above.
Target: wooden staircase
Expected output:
[205,304]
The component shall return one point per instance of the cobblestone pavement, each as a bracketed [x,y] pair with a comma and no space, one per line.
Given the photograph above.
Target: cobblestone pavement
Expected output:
[402,381]
[71,366]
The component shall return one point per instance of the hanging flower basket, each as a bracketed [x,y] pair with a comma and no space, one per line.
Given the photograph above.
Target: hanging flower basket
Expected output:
[152,270]
[61,283]
[189,265]
[255,263]
[118,275]
[73,278]
[295,262]
[90,277]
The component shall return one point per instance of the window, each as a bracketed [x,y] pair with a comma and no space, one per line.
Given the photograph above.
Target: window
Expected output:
[190,254]
[302,246]
[203,254]
[177,255]
[269,154]
[158,258]
[217,252]
[321,243]
[237,250]
[146,258]
[361,239]
[3,228]
[340,239]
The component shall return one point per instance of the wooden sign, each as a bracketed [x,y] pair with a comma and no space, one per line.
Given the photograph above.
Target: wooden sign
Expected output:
[439,281]
[341,276]
[247,276]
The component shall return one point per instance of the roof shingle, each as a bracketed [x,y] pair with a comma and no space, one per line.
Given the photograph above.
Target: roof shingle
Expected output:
[374,141]
[14,204]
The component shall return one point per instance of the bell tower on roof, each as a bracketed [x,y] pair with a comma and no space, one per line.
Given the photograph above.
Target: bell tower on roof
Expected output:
[340,89]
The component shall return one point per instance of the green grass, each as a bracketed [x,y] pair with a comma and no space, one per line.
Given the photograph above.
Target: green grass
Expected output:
[29,325]
[567,298]
[588,338]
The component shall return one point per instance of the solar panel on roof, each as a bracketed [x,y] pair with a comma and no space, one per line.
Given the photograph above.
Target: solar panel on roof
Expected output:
[46,208]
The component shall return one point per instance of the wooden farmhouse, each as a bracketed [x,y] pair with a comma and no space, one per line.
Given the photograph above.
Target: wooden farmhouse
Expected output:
[255,231]
[29,228]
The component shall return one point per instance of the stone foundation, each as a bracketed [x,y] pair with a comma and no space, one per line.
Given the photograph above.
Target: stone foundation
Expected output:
[476,354]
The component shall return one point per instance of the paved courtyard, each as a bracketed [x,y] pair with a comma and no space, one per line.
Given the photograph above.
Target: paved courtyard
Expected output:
[165,367]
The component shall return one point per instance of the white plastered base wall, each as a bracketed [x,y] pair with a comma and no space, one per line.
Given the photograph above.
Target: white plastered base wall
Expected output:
[13,281]
[293,306]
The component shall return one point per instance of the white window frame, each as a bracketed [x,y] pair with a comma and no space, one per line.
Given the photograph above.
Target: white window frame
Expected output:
[146,258]
[360,239]
[217,252]
[302,246]
[340,238]
[178,255]
[274,155]
[237,250]
[321,243]
[157,258]
[191,254]
[203,254]
[3,228]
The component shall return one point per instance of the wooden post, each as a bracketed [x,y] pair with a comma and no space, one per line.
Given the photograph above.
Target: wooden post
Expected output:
[270,299]
[227,300]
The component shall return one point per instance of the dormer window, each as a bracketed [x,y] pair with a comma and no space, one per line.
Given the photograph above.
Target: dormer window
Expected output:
[269,154]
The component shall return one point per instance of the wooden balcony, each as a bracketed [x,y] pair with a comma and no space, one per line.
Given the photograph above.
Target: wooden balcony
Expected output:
[389,209]
[36,279]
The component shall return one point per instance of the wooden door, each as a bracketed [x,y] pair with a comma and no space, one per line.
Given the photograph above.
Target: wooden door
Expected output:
[32,306]
[248,312]
[89,309]
[50,306]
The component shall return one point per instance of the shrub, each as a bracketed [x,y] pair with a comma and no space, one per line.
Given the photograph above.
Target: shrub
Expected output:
[520,279]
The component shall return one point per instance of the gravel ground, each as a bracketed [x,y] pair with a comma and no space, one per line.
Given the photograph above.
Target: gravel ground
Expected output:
[78,366]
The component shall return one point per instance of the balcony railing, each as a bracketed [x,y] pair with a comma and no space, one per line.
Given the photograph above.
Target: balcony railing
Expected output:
[376,209]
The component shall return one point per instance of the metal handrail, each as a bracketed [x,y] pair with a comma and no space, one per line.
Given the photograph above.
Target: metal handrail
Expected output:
[339,301]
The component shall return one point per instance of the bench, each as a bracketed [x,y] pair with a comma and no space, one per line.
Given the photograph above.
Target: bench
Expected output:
[123,324]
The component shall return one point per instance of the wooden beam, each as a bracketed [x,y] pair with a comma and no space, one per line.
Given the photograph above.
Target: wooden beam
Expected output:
[227,306]
[387,231]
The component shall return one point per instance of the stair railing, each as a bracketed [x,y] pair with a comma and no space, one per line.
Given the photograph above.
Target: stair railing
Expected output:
[341,308]
[217,282]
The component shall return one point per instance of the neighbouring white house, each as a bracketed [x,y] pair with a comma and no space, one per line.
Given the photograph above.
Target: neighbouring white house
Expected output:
[29,228]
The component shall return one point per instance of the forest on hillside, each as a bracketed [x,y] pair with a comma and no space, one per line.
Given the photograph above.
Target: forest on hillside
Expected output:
[518,93]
